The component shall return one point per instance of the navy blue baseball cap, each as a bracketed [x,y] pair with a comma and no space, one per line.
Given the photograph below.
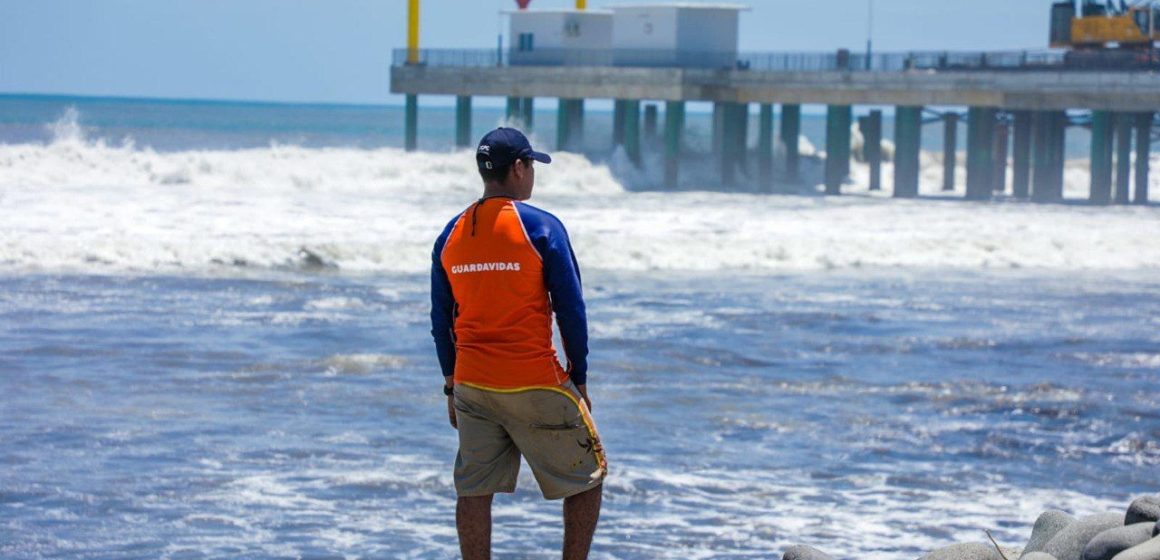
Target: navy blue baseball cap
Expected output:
[503,146]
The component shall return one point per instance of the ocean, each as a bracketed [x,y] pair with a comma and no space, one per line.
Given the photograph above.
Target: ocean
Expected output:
[214,343]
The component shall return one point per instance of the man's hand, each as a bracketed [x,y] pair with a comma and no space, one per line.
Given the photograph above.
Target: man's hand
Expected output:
[584,393]
[448,383]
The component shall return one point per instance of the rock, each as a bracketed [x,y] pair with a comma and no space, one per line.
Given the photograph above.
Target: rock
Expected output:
[1156,530]
[1114,541]
[1049,524]
[1069,543]
[803,552]
[973,551]
[1147,551]
[1038,556]
[1143,509]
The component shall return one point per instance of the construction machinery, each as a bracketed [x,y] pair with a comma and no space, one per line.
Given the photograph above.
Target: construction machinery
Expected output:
[1107,34]
[1105,24]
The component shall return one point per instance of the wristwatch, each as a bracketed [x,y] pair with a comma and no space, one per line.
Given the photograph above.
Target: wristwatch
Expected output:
[448,390]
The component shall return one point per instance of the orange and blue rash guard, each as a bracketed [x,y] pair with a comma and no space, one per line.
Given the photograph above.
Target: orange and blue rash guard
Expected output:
[498,272]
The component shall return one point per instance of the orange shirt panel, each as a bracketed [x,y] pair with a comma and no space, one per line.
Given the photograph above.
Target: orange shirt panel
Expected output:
[503,324]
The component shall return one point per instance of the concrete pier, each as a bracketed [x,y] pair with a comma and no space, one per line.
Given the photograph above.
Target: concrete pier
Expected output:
[1103,139]
[950,149]
[463,137]
[1123,158]
[734,119]
[674,132]
[791,129]
[570,125]
[907,142]
[512,112]
[871,127]
[838,121]
[1143,155]
[650,124]
[1048,141]
[1021,155]
[980,152]
[411,124]
[765,148]
[632,131]
[1032,93]
[618,122]
[1002,144]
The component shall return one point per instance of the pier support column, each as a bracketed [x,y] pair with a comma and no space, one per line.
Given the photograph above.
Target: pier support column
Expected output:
[512,114]
[1143,155]
[907,140]
[765,148]
[950,150]
[1123,157]
[570,125]
[631,132]
[980,150]
[871,126]
[463,121]
[411,124]
[718,127]
[791,129]
[1103,138]
[838,120]
[1048,137]
[999,157]
[650,124]
[674,131]
[734,121]
[618,123]
[1021,154]
[528,113]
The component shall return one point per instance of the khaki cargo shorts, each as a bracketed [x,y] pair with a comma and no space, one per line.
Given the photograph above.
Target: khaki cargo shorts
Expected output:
[549,426]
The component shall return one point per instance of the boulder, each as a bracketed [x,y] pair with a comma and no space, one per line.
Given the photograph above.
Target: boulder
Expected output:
[1148,551]
[1069,543]
[1038,556]
[973,551]
[1050,523]
[1143,509]
[1114,541]
[803,552]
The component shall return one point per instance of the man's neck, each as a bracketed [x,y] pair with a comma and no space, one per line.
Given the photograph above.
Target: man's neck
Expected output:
[492,190]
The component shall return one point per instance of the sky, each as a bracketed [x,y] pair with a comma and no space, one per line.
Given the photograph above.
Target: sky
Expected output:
[339,51]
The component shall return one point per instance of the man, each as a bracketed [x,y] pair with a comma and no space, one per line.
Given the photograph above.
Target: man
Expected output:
[499,271]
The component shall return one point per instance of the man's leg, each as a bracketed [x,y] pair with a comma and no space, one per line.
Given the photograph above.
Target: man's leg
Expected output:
[473,520]
[581,512]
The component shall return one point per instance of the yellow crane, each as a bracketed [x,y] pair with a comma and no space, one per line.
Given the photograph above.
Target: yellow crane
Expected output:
[1105,24]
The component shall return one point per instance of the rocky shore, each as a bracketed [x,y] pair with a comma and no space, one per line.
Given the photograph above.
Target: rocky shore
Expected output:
[1133,535]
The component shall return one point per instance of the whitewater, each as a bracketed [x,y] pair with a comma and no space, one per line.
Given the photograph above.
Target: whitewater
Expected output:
[76,203]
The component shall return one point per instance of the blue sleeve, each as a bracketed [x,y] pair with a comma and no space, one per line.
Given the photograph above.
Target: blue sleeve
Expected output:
[443,306]
[562,277]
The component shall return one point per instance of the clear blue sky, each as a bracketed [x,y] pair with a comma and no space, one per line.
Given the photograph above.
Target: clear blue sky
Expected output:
[340,50]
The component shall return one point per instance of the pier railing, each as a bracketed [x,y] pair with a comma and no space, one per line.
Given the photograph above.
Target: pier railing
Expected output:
[793,61]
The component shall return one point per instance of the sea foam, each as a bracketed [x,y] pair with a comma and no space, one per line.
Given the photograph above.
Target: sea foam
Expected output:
[80,204]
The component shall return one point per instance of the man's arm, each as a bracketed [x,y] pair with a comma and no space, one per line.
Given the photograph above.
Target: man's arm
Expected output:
[443,320]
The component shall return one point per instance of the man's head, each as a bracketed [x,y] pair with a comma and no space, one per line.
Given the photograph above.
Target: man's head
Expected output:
[505,161]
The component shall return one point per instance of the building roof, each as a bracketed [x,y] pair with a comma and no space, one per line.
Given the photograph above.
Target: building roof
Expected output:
[559,11]
[682,5]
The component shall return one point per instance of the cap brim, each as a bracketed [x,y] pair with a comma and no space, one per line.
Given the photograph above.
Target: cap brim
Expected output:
[541,157]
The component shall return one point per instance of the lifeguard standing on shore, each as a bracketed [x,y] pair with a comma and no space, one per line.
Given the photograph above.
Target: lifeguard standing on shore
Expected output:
[500,270]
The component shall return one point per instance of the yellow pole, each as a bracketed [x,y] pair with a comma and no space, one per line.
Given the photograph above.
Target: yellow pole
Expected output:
[581,4]
[413,32]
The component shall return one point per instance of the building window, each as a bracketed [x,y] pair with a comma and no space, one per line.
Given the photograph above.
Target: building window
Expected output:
[526,42]
[572,29]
